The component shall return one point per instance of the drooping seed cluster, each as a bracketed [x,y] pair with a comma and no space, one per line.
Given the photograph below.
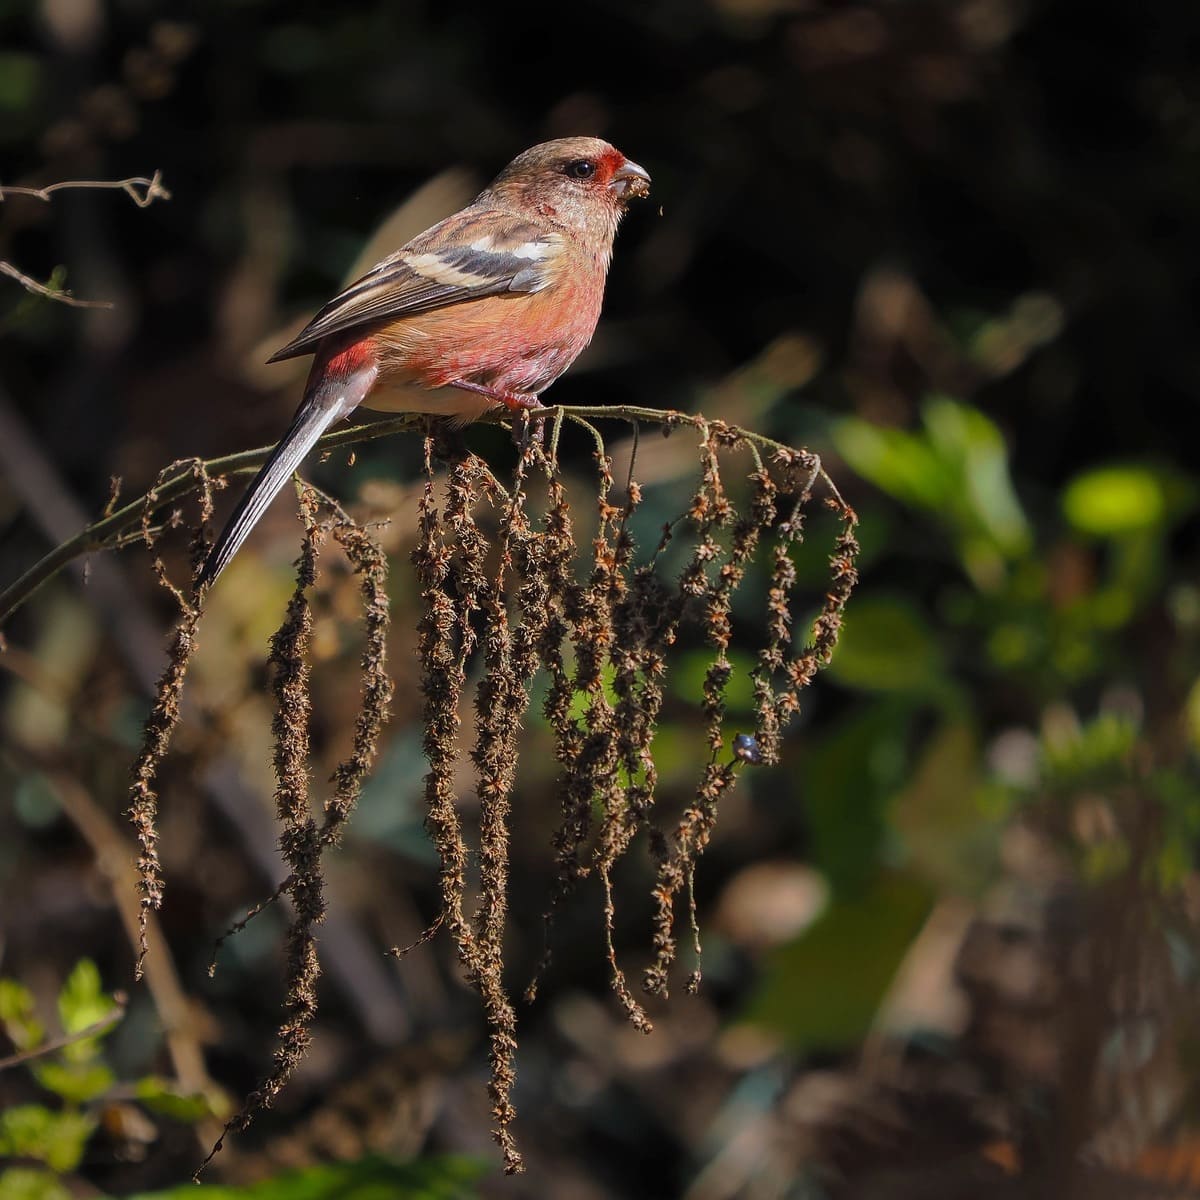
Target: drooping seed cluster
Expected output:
[165,712]
[506,591]
[603,632]
[302,839]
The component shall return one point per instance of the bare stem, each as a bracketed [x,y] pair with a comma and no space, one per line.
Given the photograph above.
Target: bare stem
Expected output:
[143,192]
[152,189]
[96,1029]
[62,296]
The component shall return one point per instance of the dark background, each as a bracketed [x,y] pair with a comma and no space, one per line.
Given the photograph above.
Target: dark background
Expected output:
[949,246]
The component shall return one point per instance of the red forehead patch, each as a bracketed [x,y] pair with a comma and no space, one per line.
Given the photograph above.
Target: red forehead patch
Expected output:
[611,161]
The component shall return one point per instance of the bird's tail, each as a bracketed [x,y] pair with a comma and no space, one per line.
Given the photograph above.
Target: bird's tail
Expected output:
[326,400]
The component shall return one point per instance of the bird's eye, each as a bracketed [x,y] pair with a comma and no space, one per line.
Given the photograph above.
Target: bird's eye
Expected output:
[582,168]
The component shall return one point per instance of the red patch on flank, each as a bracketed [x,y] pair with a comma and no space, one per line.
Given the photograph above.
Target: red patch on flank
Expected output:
[341,360]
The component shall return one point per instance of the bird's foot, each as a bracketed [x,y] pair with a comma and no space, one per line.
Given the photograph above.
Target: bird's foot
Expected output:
[515,402]
[519,402]
[527,428]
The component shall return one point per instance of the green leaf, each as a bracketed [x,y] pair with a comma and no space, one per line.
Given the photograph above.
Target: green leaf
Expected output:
[956,468]
[1118,500]
[985,498]
[82,1003]
[687,680]
[371,1179]
[897,462]
[1100,751]
[159,1096]
[31,1183]
[944,833]
[16,1013]
[55,1138]
[848,778]
[887,647]
[76,1083]
[823,990]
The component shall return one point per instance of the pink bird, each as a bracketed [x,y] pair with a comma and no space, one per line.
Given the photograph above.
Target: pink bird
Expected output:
[488,307]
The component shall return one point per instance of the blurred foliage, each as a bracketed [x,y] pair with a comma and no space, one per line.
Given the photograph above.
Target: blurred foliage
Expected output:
[1014,625]
[87,1088]
[947,244]
[372,1179]
[854,950]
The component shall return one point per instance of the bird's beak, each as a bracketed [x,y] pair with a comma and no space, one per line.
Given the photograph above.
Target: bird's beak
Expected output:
[630,181]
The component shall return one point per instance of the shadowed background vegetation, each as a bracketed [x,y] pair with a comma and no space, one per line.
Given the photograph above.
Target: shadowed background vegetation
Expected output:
[949,246]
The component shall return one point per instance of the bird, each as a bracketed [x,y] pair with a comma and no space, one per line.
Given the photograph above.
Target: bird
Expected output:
[486,308]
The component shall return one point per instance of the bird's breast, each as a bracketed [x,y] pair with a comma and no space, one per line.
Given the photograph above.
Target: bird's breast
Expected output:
[512,343]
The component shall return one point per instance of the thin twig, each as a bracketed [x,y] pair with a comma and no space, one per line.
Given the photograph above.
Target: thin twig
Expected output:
[98,535]
[41,289]
[154,189]
[69,1039]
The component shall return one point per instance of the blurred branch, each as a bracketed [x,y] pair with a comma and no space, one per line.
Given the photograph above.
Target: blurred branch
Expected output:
[179,1019]
[105,533]
[69,1039]
[152,189]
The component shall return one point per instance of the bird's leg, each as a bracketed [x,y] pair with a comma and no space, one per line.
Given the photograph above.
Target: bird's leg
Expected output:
[520,404]
[515,402]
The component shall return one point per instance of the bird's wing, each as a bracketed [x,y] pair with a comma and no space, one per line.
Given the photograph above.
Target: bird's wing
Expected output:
[472,254]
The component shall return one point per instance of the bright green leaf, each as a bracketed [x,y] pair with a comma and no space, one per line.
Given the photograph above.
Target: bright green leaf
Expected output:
[76,1083]
[16,1013]
[1114,501]
[987,500]
[31,1183]
[886,647]
[897,462]
[82,1003]
[55,1138]
[956,468]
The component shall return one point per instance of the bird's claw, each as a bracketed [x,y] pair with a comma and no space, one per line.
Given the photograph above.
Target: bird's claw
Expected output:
[528,428]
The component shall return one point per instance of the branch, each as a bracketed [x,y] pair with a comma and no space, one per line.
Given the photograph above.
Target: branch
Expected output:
[105,533]
[69,1039]
[152,190]
[100,534]
[353,963]
[44,289]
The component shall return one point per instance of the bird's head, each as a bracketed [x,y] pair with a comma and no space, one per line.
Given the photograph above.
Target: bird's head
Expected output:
[581,182]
